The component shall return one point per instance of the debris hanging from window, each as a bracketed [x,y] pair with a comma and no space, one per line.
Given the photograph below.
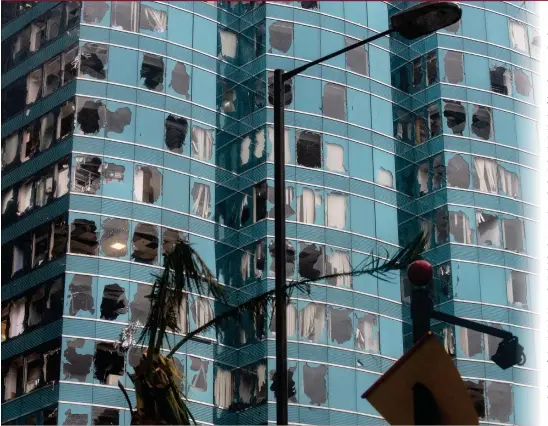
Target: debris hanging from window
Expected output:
[152,72]
[93,60]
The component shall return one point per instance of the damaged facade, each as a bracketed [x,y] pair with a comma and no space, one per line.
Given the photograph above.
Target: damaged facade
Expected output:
[128,126]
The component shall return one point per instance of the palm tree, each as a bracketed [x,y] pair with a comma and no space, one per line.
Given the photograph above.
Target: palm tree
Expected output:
[156,378]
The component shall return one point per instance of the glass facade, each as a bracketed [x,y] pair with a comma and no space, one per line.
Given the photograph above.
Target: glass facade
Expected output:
[129,125]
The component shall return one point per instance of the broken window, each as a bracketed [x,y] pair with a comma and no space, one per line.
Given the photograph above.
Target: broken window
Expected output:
[455,115]
[37,307]
[460,227]
[367,333]
[334,101]
[13,379]
[201,195]
[312,321]
[229,44]
[25,200]
[148,184]
[518,36]
[311,261]
[448,337]
[33,367]
[37,34]
[485,174]
[492,342]
[384,177]
[152,19]
[22,254]
[90,116]
[65,126]
[338,262]
[171,238]
[516,287]
[41,245]
[180,80]
[315,383]
[501,80]
[340,325]
[114,302]
[488,229]
[140,305]
[54,22]
[476,392]
[152,72]
[83,237]
[69,65]
[281,35]
[87,174]
[336,210]
[108,363]
[288,90]
[434,120]
[52,76]
[105,416]
[31,141]
[458,172]
[309,5]
[437,178]
[47,131]
[199,379]
[454,67]
[10,147]
[202,143]
[260,259]
[500,402]
[115,237]
[60,238]
[523,83]
[441,226]
[176,131]
[291,314]
[417,72]
[93,60]
[44,188]
[81,295]
[145,244]
[9,207]
[289,258]
[228,103]
[357,59]
[17,317]
[512,234]
[422,178]
[431,68]
[75,419]
[117,121]
[94,12]
[482,123]
[224,384]
[471,342]
[420,130]
[309,149]
[125,15]
[291,391]
[34,86]
[306,206]
[334,158]
[202,312]
[260,197]
[76,365]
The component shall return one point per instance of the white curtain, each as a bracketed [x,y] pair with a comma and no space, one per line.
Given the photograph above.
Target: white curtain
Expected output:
[261,381]
[460,227]
[138,183]
[509,182]
[271,141]
[224,388]
[202,312]
[336,210]
[385,178]
[202,200]
[10,382]
[10,149]
[47,126]
[44,187]
[312,321]
[291,315]
[259,254]
[489,234]
[17,259]
[339,262]
[306,206]
[422,177]
[199,381]
[244,150]
[366,333]
[426,228]
[335,158]
[486,172]
[518,34]
[25,197]
[245,266]
[6,198]
[182,321]
[62,181]
[153,18]
[202,144]
[34,83]
[17,317]
[229,43]
[260,142]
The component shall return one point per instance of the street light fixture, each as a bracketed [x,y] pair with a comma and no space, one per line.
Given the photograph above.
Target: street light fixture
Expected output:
[422,19]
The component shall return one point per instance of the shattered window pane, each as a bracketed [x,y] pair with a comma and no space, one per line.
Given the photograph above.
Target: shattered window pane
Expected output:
[65,126]
[460,227]
[517,288]
[312,322]
[201,196]
[52,76]
[180,80]
[309,5]
[171,238]
[291,390]
[87,174]
[289,258]
[523,83]
[485,175]
[357,59]
[501,80]
[437,178]
[417,72]
[31,141]
[148,184]
[458,172]
[512,234]
[260,198]
[108,363]
[315,383]
[41,247]
[454,67]
[47,131]
[33,372]
[75,419]
[488,229]
[224,384]
[311,261]
[420,130]
[518,36]
[94,12]
[176,131]
[367,333]
[434,120]
[338,262]
[422,178]
[334,101]
[37,34]
[306,206]
[202,312]
[471,341]
[492,342]
[228,103]
[81,295]
[260,259]
[91,116]
[202,144]
[72,13]
[93,60]
[476,392]
[309,149]
[10,146]
[54,22]
[291,313]
[229,44]
[431,68]
[13,379]
[34,86]
[199,378]
[336,210]
[334,158]
[76,365]
[340,325]
[152,19]
[115,237]
[117,121]
[482,123]
[281,36]
[83,237]
[8,203]
[105,416]
[17,317]
[385,178]
[125,15]
[44,188]
[140,305]
[145,244]
[455,115]
[25,197]
[500,402]
[152,72]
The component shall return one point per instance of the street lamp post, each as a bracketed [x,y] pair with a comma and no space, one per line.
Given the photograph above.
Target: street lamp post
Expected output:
[417,21]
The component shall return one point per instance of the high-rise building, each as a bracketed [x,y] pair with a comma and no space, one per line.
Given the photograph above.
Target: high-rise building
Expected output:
[129,125]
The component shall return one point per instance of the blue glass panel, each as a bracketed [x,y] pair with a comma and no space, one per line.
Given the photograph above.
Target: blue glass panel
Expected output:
[150,127]
[205,35]
[493,285]
[390,346]
[180,25]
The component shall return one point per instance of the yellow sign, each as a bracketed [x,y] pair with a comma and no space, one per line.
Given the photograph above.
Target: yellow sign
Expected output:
[426,363]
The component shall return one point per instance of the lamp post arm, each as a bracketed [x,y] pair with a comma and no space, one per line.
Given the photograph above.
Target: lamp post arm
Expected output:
[290,74]
[472,325]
